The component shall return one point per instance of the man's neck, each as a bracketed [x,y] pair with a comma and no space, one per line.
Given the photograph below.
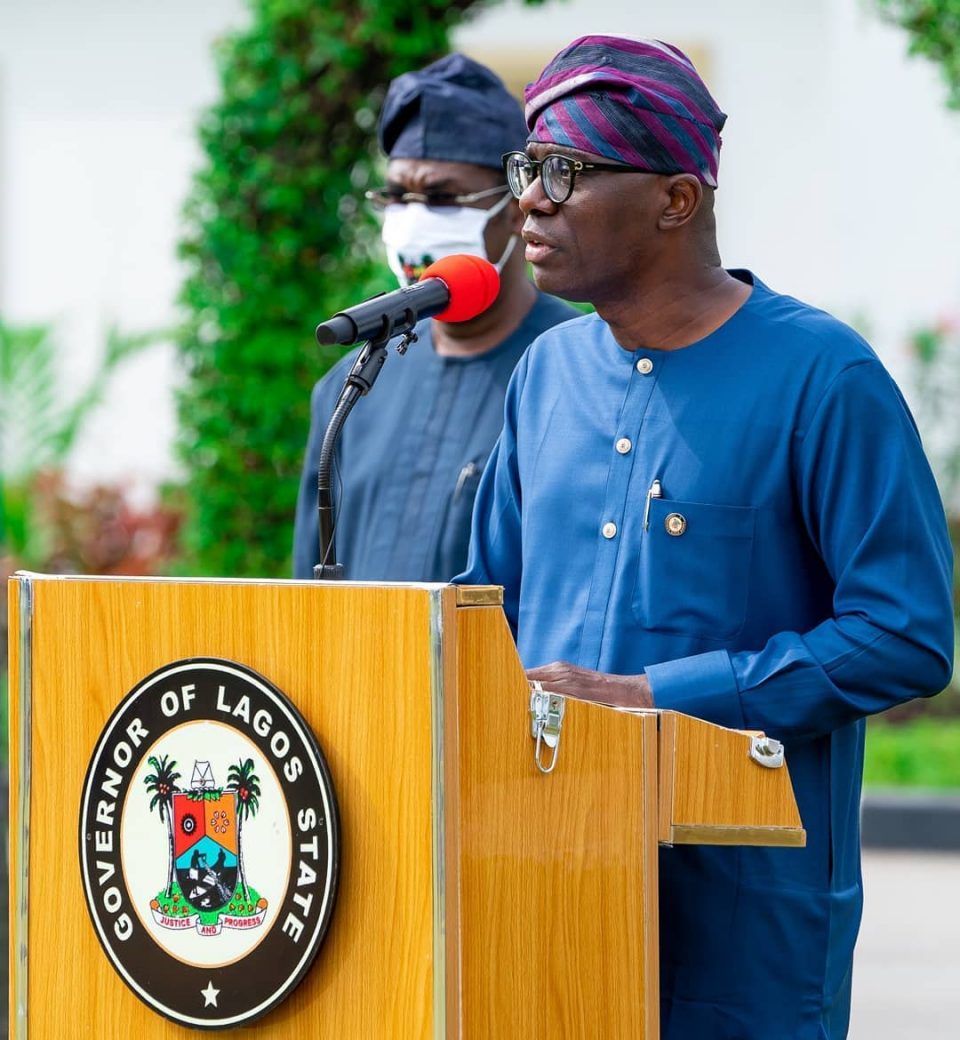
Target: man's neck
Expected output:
[675,309]
[488,330]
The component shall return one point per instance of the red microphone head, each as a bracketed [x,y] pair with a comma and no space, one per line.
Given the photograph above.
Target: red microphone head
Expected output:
[473,283]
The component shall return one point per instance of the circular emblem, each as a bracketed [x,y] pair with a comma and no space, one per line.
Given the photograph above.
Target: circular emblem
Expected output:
[209,843]
[676,524]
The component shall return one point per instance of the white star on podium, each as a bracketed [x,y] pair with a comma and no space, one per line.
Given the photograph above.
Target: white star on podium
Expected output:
[210,995]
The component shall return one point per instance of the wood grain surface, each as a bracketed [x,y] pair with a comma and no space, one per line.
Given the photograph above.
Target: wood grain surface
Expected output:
[558,879]
[713,793]
[356,661]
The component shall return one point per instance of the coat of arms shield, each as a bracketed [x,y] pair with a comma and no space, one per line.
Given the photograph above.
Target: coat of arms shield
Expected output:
[206,846]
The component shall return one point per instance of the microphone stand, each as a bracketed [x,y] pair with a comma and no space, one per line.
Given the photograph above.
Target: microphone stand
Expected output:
[357,384]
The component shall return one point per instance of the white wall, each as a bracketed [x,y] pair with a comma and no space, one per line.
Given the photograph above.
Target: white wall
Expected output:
[836,178]
[98,102]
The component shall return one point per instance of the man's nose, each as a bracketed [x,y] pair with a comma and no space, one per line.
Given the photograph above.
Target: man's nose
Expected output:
[535,200]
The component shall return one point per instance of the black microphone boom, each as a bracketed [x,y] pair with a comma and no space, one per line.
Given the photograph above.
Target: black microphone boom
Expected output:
[386,315]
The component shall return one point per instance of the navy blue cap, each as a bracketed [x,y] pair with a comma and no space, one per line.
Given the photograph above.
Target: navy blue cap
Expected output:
[454,109]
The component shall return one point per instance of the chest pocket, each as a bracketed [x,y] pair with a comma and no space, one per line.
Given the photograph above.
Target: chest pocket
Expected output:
[694,569]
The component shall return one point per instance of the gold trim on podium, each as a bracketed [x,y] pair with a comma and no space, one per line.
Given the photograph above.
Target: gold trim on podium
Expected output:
[479,595]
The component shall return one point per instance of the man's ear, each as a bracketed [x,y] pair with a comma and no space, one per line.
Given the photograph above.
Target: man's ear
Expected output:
[685,195]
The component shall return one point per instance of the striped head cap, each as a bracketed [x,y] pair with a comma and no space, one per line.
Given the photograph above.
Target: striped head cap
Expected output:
[637,101]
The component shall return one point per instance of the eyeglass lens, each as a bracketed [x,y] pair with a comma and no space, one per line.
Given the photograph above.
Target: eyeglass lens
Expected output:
[556,173]
[383,197]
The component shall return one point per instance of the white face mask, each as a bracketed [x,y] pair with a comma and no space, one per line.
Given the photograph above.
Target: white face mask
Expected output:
[416,235]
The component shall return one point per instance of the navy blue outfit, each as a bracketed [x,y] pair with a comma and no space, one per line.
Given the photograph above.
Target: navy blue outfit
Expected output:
[410,456]
[750,521]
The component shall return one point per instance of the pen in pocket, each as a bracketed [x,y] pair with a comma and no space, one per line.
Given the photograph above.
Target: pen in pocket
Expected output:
[470,470]
[656,491]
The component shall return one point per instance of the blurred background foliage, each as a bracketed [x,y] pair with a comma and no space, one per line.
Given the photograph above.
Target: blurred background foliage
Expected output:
[277,239]
[924,752]
[934,30]
[918,743]
[909,744]
[39,427]
[935,353]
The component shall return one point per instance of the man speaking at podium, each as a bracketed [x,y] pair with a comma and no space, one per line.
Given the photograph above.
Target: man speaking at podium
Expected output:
[709,497]
[411,454]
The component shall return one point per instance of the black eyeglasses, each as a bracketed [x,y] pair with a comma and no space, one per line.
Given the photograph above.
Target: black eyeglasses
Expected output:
[557,173]
[380,198]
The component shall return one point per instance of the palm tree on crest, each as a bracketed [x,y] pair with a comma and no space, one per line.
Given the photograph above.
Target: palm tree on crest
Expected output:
[242,779]
[162,784]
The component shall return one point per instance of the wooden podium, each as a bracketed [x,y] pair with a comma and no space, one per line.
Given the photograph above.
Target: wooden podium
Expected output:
[478,898]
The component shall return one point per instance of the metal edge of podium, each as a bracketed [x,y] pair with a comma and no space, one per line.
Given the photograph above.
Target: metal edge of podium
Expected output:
[438,815]
[19,911]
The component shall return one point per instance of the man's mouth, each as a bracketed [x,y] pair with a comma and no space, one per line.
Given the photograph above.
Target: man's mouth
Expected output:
[538,247]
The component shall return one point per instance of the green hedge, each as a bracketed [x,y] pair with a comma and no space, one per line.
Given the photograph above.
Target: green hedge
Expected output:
[921,753]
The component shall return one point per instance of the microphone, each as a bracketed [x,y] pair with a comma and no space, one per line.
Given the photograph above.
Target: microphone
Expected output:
[455,288]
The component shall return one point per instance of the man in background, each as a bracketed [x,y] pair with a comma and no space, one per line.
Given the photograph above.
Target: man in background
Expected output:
[411,453]
[709,497]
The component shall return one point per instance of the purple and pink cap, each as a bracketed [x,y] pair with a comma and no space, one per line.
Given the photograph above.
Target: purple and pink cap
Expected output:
[640,102]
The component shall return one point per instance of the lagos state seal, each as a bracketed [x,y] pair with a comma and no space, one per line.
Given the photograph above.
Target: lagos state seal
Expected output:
[209,843]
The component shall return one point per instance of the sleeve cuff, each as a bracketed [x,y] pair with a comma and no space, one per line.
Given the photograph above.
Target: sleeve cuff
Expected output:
[703,686]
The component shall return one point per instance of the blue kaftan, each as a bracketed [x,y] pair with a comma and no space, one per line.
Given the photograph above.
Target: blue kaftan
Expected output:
[794,575]
[410,456]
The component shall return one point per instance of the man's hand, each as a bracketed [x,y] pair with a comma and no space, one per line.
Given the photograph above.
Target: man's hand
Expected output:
[624,691]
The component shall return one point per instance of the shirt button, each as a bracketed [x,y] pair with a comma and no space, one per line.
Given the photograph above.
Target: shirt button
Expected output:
[609,530]
[645,366]
[624,445]
[676,524]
